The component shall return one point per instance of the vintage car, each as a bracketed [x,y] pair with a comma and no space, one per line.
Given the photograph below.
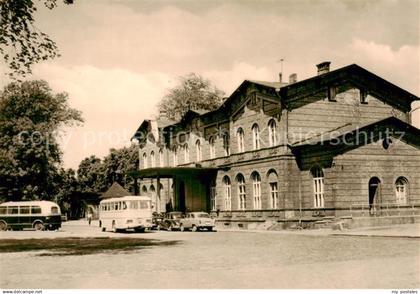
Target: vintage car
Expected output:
[196,221]
[157,219]
[171,221]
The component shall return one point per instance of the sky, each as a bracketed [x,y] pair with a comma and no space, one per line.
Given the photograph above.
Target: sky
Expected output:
[119,57]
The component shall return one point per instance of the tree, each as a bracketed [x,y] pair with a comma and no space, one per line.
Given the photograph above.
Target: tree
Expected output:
[192,92]
[96,175]
[91,175]
[21,43]
[30,157]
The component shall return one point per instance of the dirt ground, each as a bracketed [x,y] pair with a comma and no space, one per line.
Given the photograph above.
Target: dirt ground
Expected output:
[224,259]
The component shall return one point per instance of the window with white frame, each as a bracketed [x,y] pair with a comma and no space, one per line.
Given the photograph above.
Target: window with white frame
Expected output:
[186,154]
[227,193]
[213,196]
[274,195]
[226,147]
[318,187]
[161,158]
[241,192]
[241,140]
[212,147]
[198,150]
[144,160]
[256,189]
[401,190]
[256,137]
[175,156]
[272,133]
[152,159]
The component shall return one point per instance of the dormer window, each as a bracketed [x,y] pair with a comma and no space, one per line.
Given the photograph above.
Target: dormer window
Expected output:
[363,96]
[332,93]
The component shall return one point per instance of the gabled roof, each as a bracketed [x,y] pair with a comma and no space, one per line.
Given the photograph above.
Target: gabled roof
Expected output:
[355,76]
[115,191]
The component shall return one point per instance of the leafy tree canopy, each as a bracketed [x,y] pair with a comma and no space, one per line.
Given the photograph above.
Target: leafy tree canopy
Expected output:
[21,43]
[192,92]
[30,156]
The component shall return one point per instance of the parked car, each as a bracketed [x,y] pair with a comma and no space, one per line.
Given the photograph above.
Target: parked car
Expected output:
[157,219]
[171,221]
[196,221]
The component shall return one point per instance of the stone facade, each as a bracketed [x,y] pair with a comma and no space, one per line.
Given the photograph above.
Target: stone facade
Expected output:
[282,176]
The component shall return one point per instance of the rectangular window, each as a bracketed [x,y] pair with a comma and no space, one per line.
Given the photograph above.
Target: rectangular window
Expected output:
[3,210]
[25,210]
[319,192]
[257,194]
[35,209]
[363,96]
[54,210]
[13,210]
[332,93]
[144,204]
[274,195]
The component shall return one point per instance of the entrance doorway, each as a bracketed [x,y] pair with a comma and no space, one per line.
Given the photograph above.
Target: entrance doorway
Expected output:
[374,194]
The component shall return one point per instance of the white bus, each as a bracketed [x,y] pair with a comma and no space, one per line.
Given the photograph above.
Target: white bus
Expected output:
[38,215]
[123,213]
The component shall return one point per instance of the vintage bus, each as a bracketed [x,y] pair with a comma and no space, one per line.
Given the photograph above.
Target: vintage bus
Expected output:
[38,215]
[124,213]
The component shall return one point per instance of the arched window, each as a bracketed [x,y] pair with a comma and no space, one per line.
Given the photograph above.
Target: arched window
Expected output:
[401,185]
[212,148]
[241,140]
[256,189]
[274,190]
[186,153]
[144,190]
[226,147]
[241,192]
[272,133]
[144,160]
[175,156]
[152,159]
[256,137]
[227,193]
[161,158]
[318,184]
[198,150]
[153,193]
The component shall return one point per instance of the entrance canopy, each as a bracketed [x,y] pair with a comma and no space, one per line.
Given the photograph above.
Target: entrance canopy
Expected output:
[171,172]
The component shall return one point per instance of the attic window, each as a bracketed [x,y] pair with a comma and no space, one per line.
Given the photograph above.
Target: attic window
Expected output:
[363,96]
[332,92]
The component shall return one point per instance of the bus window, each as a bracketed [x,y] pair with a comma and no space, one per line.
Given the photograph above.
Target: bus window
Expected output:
[35,209]
[116,205]
[24,210]
[124,205]
[54,210]
[3,210]
[144,204]
[12,210]
[134,204]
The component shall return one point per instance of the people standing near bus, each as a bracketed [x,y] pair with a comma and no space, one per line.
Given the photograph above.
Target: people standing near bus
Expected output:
[89,216]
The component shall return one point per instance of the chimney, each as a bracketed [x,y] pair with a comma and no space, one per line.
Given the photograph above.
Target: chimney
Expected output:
[292,78]
[280,77]
[323,67]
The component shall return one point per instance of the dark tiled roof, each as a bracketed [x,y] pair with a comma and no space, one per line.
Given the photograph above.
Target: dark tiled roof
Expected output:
[115,191]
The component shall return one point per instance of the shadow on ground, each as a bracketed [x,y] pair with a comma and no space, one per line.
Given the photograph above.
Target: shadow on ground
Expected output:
[79,246]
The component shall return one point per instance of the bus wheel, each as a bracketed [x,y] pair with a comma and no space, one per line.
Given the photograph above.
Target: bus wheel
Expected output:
[3,226]
[38,226]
